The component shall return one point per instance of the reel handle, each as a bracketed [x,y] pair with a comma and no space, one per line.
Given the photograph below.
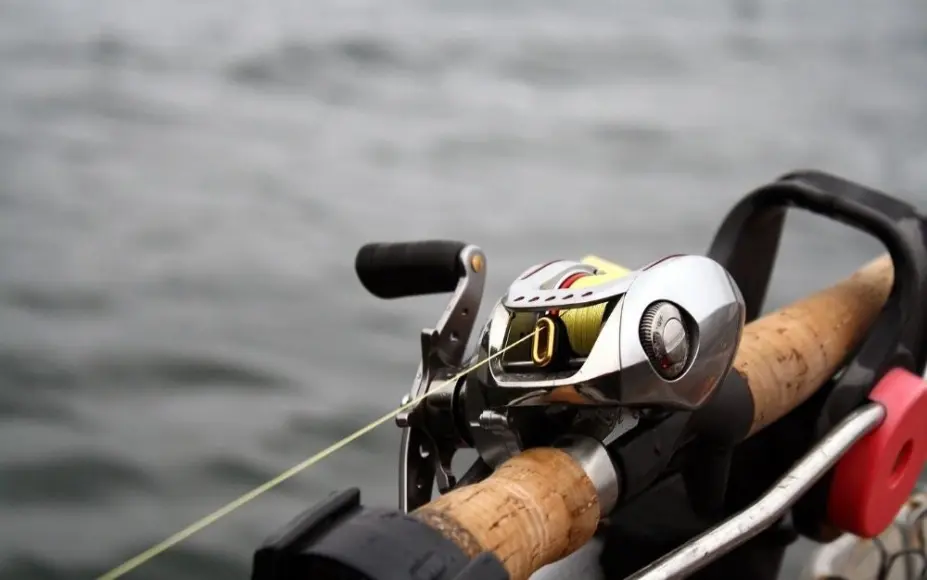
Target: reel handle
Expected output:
[542,505]
[400,269]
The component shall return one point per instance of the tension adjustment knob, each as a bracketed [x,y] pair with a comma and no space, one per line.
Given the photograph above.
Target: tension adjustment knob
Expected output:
[665,339]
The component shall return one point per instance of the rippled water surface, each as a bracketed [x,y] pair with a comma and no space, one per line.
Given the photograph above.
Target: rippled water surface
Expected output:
[183,186]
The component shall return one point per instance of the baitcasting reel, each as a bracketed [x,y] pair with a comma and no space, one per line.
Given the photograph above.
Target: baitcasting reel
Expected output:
[632,374]
[590,348]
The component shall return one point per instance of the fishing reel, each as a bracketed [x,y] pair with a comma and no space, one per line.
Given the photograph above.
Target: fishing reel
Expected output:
[632,375]
[572,348]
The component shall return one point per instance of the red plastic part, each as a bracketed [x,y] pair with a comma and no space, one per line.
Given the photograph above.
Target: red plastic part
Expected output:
[572,278]
[566,284]
[874,479]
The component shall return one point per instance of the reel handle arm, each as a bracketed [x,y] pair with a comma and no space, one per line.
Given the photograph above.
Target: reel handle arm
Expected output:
[544,504]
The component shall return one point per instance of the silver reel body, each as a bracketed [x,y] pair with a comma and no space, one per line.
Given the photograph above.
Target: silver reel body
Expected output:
[665,336]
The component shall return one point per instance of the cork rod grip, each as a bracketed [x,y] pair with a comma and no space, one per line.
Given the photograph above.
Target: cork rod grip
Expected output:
[788,354]
[540,506]
[537,508]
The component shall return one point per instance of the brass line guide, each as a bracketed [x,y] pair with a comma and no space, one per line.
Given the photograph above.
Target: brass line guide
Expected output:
[542,345]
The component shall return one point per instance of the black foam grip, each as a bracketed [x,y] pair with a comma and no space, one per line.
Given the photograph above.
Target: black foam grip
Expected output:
[394,270]
[339,539]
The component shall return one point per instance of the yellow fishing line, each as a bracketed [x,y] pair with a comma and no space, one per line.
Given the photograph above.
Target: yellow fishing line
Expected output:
[584,324]
[185,533]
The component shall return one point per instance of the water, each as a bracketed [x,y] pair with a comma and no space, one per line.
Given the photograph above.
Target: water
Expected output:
[184,186]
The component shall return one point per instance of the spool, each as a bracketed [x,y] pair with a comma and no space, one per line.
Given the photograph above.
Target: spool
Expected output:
[584,324]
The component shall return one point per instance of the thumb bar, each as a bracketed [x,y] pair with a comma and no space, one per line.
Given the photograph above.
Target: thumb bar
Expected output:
[542,505]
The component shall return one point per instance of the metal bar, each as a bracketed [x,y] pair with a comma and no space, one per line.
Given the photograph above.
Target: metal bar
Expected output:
[732,533]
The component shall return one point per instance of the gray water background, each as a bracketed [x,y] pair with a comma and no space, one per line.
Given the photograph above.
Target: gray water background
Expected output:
[183,186]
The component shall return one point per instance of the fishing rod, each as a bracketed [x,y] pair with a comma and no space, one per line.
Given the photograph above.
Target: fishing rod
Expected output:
[597,387]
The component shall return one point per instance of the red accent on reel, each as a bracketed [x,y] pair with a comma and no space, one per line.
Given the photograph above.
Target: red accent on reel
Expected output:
[572,278]
[875,477]
[566,284]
